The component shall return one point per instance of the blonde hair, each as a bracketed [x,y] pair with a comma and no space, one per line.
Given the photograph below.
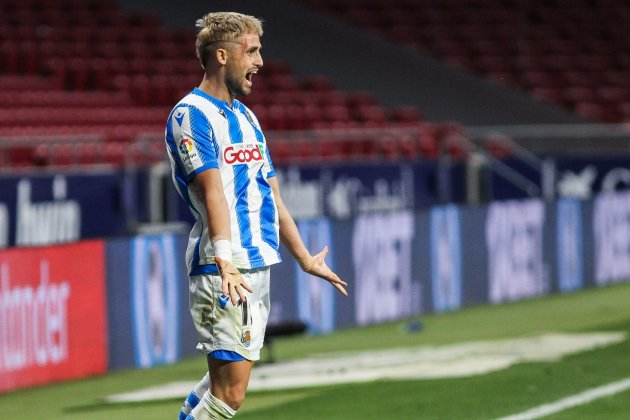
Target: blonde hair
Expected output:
[223,26]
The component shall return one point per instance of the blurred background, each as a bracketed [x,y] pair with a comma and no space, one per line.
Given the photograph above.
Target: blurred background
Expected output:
[480,147]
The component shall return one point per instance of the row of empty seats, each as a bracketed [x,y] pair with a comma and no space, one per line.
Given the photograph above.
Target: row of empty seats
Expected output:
[574,54]
[63,77]
[78,146]
[64,152]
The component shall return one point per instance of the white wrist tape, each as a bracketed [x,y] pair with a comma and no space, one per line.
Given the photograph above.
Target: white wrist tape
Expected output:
[223,249]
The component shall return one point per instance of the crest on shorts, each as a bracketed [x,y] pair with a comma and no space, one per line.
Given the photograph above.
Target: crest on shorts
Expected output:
[246,338]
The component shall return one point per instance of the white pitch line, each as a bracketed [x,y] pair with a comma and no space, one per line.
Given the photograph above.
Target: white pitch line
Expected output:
[572,401]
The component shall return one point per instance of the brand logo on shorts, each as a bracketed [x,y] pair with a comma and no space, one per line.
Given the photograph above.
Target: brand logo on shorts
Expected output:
[246,338]
[236,154]
[223,300]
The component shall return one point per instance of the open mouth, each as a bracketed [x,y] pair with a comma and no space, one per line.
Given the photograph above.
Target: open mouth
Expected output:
[249,76]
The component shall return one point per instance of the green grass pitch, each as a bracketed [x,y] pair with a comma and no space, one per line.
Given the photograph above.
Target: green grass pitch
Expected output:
[487,396]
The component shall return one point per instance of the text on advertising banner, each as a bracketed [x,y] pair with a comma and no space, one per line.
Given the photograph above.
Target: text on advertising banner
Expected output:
[52,314]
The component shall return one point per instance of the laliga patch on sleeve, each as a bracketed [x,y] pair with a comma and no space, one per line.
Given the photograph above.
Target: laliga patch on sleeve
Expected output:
[189,154]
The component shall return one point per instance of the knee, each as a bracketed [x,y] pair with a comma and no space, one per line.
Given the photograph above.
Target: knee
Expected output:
[233,396]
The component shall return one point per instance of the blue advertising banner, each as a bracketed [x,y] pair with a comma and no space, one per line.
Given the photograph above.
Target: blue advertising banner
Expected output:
[315,298]
[586,176]
[118,285]
[341,258]
[569,242]
[397,263]
[147,289]
[611,229]
[446,258]
[385,287]
[344,191]
[578,176]
[514,241]
[475,255]
[43,209]
[154,295]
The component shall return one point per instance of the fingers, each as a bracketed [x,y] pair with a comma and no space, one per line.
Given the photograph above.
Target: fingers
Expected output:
[321,269]
[225,289]
[236,291]
[232,284]
[327,274]
[341,289]
[338,281]
[319,258]
[324,252]
[339,284]
[246,286]
[234,294]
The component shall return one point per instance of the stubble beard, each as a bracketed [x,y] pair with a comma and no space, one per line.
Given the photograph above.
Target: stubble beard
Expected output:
[236,88]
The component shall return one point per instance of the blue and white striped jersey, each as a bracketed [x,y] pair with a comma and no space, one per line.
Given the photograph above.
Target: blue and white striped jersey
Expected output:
[202,133]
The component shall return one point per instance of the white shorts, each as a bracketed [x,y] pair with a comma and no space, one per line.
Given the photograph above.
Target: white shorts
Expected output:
[223,326]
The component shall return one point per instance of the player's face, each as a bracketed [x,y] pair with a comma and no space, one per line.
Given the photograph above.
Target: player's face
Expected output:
[243,62]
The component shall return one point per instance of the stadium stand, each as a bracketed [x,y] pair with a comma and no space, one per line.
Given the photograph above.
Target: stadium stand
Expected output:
[573,54]
[63,79]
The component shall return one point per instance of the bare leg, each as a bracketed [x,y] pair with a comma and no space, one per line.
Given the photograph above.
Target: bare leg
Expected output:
[228,383]
[229,380]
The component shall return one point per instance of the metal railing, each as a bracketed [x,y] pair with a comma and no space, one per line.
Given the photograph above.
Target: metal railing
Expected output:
[482,148]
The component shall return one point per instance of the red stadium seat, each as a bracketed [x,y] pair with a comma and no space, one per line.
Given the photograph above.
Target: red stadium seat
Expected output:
[71,77]
[541,49]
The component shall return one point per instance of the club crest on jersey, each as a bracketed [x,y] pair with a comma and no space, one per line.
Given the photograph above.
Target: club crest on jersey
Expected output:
[246,338]
[243,153]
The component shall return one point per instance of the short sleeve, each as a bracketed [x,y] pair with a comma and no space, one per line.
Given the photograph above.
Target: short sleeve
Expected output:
[193,141]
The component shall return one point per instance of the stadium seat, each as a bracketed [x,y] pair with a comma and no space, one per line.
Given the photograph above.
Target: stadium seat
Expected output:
[71,77]
[553,47]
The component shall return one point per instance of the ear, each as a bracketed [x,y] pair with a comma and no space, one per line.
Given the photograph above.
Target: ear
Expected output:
[222,55]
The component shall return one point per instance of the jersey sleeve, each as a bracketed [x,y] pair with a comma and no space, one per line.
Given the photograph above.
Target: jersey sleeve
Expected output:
[193,141]
[268,163]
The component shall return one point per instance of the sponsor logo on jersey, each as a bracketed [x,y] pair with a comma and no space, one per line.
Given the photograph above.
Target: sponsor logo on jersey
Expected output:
[222,113]
[246,338]
[243,153]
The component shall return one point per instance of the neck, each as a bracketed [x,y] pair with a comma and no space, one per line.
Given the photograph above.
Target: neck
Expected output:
[214,86]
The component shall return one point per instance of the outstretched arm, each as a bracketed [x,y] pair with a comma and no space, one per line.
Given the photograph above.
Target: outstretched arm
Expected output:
[211,188]
[290,237]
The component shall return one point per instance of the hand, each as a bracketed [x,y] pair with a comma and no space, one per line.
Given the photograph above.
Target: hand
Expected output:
[232,282]
[316,266]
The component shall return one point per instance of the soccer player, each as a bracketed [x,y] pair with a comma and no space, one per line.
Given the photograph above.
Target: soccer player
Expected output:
[222,168]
